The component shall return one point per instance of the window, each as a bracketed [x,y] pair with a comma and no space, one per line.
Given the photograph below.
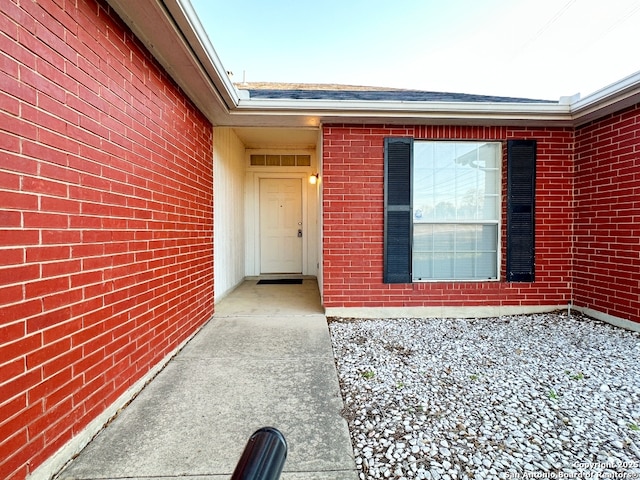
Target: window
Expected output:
[442,210]
[456,210]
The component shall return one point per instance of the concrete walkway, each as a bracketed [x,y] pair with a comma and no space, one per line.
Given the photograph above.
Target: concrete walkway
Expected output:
[264,360]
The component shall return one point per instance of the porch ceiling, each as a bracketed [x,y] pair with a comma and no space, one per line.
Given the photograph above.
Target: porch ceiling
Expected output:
[281,138]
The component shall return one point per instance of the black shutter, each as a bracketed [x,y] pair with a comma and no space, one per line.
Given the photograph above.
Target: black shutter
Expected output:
[521,225]
[398,225]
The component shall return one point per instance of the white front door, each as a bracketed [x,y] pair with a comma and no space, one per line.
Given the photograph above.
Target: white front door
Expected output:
[281,225]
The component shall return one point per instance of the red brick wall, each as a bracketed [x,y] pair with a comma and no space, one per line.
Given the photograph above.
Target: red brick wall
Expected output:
[353,221]
[607,226]
[106,221]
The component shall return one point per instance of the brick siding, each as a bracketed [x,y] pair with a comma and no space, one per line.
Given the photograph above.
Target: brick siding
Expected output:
[607,225]
[353,181]
[106,221]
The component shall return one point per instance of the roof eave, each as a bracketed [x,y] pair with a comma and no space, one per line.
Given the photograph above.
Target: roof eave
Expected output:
[459,113]
[612,98]
[172,32]
[187,20]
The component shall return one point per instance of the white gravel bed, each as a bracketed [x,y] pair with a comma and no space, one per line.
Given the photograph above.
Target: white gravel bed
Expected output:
[532,396]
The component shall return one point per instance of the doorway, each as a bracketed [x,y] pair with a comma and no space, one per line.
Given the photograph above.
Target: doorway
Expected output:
[281,229]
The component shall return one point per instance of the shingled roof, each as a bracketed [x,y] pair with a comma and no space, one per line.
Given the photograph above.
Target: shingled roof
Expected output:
[298,91]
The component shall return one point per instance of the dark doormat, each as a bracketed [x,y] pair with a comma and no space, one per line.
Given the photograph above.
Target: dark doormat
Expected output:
[280,281]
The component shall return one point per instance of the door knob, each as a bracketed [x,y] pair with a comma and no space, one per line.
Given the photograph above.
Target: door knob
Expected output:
[300,233]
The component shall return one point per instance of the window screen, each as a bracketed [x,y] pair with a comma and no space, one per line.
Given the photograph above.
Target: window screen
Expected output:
[456,210]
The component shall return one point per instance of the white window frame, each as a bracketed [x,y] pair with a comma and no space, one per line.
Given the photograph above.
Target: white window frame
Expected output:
[497,221]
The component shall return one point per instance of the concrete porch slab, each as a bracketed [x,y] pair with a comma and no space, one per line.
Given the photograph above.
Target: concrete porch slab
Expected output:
[238,374]
[249,298]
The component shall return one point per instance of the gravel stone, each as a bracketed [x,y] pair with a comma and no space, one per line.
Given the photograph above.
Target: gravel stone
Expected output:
[489,398]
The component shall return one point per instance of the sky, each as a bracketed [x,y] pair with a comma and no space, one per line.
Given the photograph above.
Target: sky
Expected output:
[541,49]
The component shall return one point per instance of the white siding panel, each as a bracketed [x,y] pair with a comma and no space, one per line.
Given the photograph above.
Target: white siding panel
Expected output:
[228,190]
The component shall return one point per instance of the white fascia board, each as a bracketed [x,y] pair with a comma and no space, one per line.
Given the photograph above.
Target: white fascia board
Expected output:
[408,106]
[159,31]
[621,94]
[187,20]
[460,111]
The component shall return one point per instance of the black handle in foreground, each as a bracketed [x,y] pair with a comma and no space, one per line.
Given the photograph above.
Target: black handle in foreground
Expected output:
[263,457]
